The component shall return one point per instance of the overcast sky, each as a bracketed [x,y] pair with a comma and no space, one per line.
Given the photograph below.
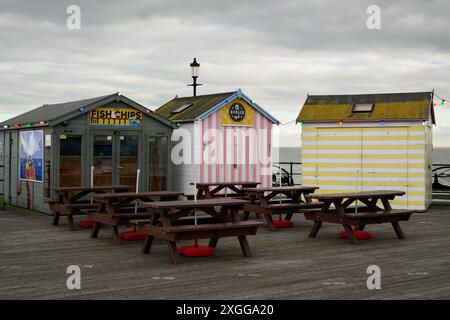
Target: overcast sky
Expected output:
[276,51]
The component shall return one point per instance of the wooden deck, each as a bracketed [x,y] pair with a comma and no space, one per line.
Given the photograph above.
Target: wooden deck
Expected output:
[286,264]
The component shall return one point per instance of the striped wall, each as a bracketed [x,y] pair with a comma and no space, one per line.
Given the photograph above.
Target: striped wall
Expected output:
[241,154]
[358,158]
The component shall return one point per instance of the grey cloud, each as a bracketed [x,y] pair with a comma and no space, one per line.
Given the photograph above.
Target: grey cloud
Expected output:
[276,51]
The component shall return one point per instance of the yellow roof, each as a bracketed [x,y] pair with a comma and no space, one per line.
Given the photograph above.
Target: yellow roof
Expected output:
[387,107]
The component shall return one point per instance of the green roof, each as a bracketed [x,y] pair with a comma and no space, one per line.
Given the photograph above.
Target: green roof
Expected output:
[193,106]
[54,112]
[49,112]
[387,107]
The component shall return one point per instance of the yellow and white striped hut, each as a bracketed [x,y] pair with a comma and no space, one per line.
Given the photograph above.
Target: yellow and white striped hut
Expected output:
[369,141]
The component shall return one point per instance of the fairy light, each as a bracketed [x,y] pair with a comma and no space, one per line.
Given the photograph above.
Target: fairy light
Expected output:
[443,101]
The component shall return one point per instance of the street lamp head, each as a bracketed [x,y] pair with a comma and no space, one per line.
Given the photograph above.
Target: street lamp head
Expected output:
[195,66]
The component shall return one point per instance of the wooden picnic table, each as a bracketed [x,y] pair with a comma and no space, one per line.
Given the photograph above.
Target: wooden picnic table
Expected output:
[70,201]
[172,225]
[262,201]
[117,209]
[211,189]
[369,213]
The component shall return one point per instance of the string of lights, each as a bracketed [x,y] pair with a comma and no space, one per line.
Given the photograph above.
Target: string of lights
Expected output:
[443,101]
[283,124]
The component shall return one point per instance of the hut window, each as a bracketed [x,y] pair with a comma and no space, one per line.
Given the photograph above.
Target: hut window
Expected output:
[1,152]
[182,108]
[363,107]
[158,159]
[69,161]
[47,167]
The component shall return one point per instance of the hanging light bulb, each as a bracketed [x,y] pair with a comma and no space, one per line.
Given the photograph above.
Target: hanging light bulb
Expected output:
[442,102]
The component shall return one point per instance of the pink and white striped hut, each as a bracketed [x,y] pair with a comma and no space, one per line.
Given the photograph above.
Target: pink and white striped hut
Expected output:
[220,137]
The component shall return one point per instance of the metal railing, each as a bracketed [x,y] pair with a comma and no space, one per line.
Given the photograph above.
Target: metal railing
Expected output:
[288,174]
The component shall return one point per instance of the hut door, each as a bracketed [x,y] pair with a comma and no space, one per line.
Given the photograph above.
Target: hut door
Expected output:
[385,160]
[115,159]
[239,153]
[128,161]
[103,160]
[229,165]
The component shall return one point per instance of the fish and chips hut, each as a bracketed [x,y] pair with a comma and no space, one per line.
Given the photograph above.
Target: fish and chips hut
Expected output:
[98,141]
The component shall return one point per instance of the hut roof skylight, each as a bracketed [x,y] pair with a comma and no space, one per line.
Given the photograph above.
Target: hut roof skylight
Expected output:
[182,108]
[363,107]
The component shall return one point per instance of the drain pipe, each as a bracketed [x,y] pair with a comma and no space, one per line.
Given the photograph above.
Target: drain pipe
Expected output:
[9,167]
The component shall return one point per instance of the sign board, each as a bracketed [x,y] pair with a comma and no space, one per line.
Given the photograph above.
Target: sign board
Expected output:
[31,155]
[116,117]
[48,140]
[238,112]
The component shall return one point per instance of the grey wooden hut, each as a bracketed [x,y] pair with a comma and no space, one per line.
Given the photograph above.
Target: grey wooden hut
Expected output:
[59,145]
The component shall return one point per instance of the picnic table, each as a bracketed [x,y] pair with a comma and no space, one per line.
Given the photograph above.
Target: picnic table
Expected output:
[369,213]
[71,201]
[211,189]
[172,224]
[117,209]
[262,200]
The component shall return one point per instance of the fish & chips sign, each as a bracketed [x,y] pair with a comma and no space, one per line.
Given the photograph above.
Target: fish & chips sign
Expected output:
[116,116]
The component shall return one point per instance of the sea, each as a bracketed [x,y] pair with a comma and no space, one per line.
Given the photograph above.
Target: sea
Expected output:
[288,154]
[291,154]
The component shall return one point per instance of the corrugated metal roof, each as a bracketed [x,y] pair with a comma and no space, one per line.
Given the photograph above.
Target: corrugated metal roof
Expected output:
[200,105]
[387,106]
[55,112]
[50,112]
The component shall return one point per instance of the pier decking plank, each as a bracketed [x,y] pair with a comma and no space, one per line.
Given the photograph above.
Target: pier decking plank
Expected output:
[285,265]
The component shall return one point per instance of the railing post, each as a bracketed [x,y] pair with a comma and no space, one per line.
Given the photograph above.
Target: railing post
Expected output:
[291,173]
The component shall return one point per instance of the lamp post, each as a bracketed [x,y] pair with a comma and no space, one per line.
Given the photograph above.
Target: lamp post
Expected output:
[195,67]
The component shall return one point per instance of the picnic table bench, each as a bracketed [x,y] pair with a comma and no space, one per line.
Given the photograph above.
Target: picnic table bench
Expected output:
[71,201]
[117,209]
[210,190]
[261,200]
[167,223]
[371,213]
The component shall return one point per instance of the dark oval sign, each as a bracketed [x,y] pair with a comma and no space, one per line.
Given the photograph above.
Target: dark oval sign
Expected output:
[237,112]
